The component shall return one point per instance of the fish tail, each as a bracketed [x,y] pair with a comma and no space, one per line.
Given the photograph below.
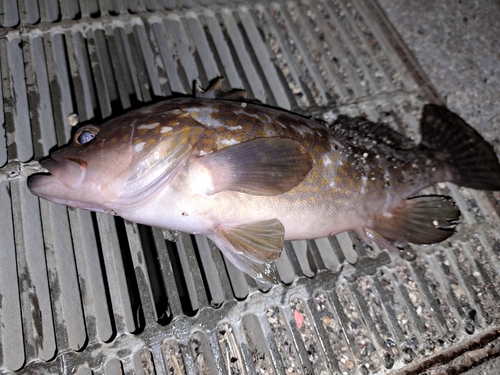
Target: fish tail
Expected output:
[470,161]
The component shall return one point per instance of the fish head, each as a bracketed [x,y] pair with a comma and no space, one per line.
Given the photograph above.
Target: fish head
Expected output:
[120,166]
[89,172]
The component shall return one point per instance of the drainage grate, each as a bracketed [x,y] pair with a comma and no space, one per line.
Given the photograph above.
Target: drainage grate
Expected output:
[84,293]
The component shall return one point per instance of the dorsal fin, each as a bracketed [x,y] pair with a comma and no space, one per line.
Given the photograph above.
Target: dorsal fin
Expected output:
[215,91]
[364,130]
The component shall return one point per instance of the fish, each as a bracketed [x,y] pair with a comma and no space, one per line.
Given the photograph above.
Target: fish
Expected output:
[250,176]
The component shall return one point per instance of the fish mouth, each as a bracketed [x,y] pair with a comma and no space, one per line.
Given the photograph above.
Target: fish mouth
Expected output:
[68,171]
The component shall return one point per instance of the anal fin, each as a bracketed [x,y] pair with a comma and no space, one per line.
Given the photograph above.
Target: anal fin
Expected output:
[420,220]
[252,247]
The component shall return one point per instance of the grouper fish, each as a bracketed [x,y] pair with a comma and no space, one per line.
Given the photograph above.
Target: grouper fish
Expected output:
[248,176]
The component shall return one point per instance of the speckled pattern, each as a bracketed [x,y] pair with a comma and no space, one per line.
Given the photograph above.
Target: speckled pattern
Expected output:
[457,43]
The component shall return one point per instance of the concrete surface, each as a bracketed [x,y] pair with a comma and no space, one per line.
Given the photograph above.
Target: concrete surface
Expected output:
[457,44]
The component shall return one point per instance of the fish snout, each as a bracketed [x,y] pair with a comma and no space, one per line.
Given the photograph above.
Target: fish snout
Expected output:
[69,171]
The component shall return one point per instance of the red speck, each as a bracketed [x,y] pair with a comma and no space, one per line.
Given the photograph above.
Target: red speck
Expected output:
[299,319]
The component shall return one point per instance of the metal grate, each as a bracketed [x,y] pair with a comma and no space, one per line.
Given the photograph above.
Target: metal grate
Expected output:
[84,293]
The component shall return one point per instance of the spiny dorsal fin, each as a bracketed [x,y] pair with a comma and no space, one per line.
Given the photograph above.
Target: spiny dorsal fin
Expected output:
[215,91]
[263,166]
[252,247]
[362,129]
[421,220]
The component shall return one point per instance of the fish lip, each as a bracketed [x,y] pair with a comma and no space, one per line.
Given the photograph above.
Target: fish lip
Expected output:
[70,171]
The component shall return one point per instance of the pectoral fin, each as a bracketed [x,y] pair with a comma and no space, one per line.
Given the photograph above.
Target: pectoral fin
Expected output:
[252,247]
[421,220]
[263,166]
[162,162]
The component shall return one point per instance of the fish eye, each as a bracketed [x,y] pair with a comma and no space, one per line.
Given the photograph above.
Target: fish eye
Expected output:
[86,134]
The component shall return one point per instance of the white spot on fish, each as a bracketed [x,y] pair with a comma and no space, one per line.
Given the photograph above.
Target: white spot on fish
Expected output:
[165,129]
[138,147]
[387,215]
[363,188]
[149,126]
[228,142]
[302,130]
[326,160]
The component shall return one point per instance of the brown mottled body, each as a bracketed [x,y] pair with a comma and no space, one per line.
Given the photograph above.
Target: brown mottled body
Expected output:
[250,176]
[353,177]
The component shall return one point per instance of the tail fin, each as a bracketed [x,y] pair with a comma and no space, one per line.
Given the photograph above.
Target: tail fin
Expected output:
[471,160]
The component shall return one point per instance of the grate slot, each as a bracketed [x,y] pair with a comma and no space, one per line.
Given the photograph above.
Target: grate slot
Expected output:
[378,75]
[219,45]
[70,9]
[165,51]
[203,49]
[202,353]
[117,282]
[417,307]
[155,278]
[81,75]
[402,69]
[335,67]
[404,321]
[474,282]
[10,13]
[133,62]
[113,367]
[378,334]
[11,333]
[257,345]
[167,275]
[93,286]
[284,56]
[3,138]
[172,357]
[261,50]
[133,49]
[180,43]
[466,295]
[314,66]
[328,256]
[230,354]
[66,300]
[142,278]
[331,335]
[211,275]
[121,73]
[16,99]
[143,362]
[346,244]
[34,287]
[434,312]
[304,258]
[243,57]
[37,81]
[191,275]
[60,87]
[285,268]
[101,70]
[238,280]
[156,81]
